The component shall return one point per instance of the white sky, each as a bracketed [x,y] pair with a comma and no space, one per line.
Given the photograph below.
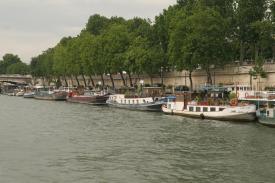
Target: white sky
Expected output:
[28,27]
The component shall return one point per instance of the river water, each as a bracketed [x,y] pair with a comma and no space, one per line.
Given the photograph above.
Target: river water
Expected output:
[59,142]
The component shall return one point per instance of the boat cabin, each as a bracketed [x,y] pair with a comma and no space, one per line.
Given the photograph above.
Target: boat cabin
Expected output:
[121,99]
[196,108]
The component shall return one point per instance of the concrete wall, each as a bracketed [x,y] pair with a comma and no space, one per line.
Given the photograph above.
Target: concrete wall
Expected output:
[227,75]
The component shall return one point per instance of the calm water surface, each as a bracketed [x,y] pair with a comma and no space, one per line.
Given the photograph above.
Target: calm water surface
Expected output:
[58,142]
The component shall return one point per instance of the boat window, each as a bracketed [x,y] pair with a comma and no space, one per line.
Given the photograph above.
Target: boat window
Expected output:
[267,113]
[233,88]
[238,89]
[212,109]
[221,109]
[198,109]
[191,108]
[133,101]
[143,101]
[205,109]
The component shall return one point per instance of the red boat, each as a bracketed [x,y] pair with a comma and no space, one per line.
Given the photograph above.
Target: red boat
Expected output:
[88,98]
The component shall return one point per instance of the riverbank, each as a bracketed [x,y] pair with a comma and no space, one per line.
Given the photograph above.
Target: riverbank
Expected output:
[228,75]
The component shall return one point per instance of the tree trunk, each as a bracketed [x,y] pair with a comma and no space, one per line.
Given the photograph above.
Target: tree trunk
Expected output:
[66,82]
[151,79]
[209,78]
[72,80]
[130,79]
[91,79]
[43,81]
[122,77]
[256,52]
[191,81]
[84,80]
[112,80]
[102,79]
[77,80]
[242,52]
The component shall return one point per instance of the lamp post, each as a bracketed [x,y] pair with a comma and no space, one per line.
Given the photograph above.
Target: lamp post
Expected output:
[125,73]
[99,83]
[161,75]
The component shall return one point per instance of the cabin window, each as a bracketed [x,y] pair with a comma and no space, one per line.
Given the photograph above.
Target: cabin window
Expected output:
[221,109]
[267,113]
[191,109]
[212,109]
[205,109]
[233,89]
[198,109]
[241,88]
[143,101]
[238,88]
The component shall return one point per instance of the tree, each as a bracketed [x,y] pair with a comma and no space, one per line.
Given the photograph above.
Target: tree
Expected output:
[116,42]
[86,47]
[144,57]
[60,65]
[8,59]
[97,24]
[18,68]
[248,12]
[204,41]
[257,71]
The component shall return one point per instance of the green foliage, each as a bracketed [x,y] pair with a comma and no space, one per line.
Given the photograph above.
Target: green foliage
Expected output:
[8,60]
[192,33]
[257,70]
[18,68]
[232,96]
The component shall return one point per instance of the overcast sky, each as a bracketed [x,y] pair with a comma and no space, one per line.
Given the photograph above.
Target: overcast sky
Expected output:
[28,27]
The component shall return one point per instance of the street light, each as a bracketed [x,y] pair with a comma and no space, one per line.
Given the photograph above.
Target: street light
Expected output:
[125,73]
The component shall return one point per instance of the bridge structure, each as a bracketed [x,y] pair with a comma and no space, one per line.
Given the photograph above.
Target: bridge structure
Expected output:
[16,79]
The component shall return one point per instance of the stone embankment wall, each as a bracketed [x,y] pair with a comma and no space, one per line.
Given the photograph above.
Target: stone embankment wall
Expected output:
[227,75]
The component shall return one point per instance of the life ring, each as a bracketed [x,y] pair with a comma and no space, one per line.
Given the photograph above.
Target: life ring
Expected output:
[234,102]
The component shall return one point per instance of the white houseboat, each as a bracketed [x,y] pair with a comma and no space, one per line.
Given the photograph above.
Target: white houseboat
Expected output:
[135,103]
[243,113]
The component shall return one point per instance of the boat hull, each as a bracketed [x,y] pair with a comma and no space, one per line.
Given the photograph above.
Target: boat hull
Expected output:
[153,107]
[93,100]
[267,121]
[28,95]
[57,96]
[237,117]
